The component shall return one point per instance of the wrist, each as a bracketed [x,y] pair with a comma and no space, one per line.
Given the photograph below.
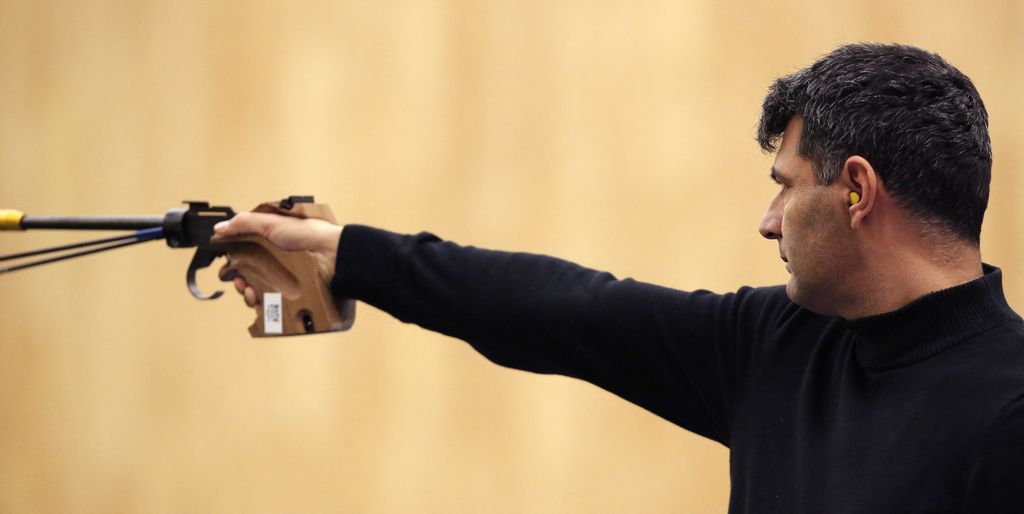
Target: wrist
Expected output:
[328,236]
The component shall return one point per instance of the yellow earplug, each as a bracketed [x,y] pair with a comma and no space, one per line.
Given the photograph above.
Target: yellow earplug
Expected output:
[854,197]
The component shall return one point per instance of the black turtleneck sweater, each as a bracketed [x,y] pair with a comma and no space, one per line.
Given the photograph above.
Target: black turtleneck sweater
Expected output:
[917,410]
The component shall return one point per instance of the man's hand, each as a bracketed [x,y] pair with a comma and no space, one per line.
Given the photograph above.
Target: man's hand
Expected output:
[292,234]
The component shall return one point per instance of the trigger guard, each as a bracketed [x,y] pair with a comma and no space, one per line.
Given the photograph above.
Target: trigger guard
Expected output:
[202,259]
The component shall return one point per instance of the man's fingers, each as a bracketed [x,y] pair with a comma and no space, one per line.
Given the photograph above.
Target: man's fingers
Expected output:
[246,291]
[247,223]
[288,233]
[250,296]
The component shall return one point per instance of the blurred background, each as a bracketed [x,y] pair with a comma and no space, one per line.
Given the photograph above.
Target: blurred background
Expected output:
[615,134]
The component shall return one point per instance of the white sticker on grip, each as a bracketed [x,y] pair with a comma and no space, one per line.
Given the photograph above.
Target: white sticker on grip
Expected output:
[272,313]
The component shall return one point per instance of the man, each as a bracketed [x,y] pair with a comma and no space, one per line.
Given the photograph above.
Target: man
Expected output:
[886,376]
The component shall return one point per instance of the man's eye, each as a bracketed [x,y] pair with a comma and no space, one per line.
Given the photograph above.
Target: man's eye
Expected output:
[782,187]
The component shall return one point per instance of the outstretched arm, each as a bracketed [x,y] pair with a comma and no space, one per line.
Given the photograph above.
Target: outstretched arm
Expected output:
[679,354]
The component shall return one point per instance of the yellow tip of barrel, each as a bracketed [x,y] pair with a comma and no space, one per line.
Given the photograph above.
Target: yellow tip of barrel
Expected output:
[10,220]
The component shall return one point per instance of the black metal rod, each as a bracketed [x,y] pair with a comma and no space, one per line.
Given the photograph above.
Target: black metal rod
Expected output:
[91,222]
[136,239]
[71,246]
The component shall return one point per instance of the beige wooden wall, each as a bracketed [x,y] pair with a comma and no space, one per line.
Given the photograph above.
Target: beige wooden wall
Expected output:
[616,134]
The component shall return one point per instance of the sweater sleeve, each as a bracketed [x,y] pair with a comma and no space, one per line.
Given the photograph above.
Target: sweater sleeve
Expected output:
[679,355]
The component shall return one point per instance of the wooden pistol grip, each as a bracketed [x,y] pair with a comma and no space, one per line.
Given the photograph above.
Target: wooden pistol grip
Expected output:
[292,296]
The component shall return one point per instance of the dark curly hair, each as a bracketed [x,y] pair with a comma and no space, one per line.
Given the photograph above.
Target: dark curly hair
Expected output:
[918,120]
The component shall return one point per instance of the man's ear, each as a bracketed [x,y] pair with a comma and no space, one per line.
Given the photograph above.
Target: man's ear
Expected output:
[863,187]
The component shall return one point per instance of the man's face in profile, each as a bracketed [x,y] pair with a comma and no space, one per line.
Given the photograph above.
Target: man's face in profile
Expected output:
[812,226]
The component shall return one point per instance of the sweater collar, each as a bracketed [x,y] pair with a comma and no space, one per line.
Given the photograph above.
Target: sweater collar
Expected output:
[931,324]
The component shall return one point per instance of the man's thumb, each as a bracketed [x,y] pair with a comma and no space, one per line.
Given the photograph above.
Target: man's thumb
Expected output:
[245,223]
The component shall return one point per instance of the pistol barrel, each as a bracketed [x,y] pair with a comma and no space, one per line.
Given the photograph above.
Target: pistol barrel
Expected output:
[91,222]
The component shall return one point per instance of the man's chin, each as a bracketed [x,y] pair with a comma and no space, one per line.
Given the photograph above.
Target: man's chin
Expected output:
[805,300]
[792,291]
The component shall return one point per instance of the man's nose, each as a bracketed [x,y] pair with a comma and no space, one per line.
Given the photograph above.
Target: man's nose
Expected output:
[771,222]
